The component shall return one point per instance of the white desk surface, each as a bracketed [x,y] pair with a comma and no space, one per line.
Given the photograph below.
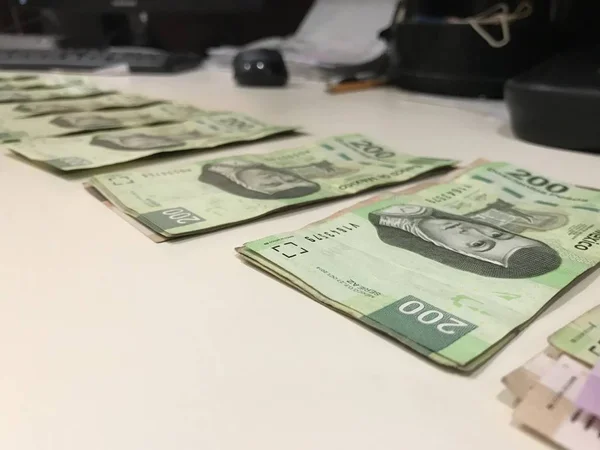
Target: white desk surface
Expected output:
[111,342]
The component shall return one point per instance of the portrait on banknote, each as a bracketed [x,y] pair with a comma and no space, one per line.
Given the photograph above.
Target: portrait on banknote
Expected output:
[86,122]
[144,141]
[36,108]
[261,181]
[472,243]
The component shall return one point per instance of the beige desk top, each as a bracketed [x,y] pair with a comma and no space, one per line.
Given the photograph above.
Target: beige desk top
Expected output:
[111,342]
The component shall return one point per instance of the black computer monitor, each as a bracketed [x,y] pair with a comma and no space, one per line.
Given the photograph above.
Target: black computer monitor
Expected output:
[96,6]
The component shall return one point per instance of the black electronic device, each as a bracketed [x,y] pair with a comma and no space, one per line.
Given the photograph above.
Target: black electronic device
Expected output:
[92,32]
[260,67]
[95,6]
[558,102]
[103,23]
[137,60]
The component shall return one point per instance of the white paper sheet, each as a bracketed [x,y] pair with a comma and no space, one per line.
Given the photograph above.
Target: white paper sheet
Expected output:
[334,32]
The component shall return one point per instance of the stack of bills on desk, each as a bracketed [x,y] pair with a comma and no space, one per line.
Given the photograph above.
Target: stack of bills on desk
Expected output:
[72,123]
[38,95]
[207,195]
[41,82]
[16,76]
[31,87]
[453,270]
[558,391]
[68,124]
[104,102]
[108,148]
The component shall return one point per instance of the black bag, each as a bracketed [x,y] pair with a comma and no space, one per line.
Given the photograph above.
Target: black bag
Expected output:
[431,53]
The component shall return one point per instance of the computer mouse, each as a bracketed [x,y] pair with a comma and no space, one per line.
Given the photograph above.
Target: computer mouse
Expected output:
[260,67]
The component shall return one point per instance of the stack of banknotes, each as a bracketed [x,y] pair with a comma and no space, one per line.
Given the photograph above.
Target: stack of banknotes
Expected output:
[454,269]
[68,124]
[558,391]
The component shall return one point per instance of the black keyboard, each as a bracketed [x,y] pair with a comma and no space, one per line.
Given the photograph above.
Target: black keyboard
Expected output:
[138,59]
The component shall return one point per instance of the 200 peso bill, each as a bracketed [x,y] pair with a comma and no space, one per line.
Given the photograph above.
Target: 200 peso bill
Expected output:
[207,195]
[48,81]
[452,270]
[100,102]
[38,95]
[114,147]
[72,123]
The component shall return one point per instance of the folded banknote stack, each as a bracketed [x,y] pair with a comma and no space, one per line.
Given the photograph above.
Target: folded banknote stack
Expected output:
[66,123]
[453,270]
[557,393]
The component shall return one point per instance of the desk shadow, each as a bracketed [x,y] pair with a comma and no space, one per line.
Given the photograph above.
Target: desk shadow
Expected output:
[507,398]
[506,131]
[536,436]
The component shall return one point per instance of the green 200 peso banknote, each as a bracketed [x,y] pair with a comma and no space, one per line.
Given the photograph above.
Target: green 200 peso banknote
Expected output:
[79,122]
[9,111]
[48,81]
[453,270]
[18,76]
[206,195]
[39,95]
[114,147]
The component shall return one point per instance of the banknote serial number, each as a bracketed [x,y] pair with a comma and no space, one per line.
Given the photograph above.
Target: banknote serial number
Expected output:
[332,233]
[432,317]
[165,173]
[449,195]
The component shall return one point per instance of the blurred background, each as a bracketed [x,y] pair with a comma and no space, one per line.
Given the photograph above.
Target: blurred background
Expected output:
[169,30]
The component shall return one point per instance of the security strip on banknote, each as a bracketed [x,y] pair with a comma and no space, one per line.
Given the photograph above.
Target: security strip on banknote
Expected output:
[76,123]
[108,148]
[207,195]
[454,270]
